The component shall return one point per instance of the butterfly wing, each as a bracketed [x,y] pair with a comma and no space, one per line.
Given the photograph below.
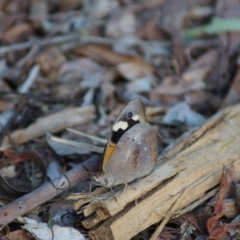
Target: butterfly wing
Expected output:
[134,156]
[131,115]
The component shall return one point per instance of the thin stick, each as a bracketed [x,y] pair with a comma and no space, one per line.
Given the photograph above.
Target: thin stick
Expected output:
[168,216]
[101,140]
[46,192]
[83,39]
[30,79]
[83,146]
[42,42]
[193,205]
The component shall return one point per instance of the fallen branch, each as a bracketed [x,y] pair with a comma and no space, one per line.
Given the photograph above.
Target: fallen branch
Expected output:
[192,165]
[46,192]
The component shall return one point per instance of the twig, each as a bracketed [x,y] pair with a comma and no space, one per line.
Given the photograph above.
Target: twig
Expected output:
[40,98]
[22,89]
[29,81]
[80,145]
[46,192]
[98,139]
[39,42]
[193,205]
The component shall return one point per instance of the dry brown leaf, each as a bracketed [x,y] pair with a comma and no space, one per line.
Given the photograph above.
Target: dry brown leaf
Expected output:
[19,32]
[103,54]
[151,30]
[5,105]
[219,210]
[217,233]
[135,69]
[193,80]
[195,77]
[66,90]
[207,60]
[50,61]
[168,87]
[191,219]
[18,235]
[5,24]
[70,4]
[12,157]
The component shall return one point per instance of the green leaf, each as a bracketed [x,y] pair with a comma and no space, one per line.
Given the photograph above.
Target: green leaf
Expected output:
[216,26]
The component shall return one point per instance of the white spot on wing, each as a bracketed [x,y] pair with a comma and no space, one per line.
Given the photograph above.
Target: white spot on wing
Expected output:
[135,117]
[121,124]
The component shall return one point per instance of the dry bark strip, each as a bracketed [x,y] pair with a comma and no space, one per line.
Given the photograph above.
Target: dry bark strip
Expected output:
[193,164]
[56,122]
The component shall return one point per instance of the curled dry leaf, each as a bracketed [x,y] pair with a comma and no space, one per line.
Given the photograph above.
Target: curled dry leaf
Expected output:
[11,156]
[50,61]
[219,210]
[218,233]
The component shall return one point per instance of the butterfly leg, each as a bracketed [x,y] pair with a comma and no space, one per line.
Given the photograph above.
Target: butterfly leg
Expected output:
[126,186]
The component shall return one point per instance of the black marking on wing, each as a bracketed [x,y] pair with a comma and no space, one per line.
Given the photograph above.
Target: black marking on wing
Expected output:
[116,135]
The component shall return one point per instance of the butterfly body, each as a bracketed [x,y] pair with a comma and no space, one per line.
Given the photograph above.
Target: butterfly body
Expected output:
[132,148]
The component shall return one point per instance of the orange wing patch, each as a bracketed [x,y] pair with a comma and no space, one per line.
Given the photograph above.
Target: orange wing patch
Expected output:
[107,154]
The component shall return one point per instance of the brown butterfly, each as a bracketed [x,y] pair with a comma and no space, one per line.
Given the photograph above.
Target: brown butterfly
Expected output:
[132,148]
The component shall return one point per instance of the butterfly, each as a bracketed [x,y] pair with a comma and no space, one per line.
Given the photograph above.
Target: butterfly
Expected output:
[132,148]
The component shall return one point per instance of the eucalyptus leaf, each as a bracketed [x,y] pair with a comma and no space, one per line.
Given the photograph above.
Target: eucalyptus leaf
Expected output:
[216,26]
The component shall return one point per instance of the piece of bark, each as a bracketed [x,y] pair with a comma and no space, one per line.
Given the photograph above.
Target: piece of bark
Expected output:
[47,191]
[55,122]
[193,164]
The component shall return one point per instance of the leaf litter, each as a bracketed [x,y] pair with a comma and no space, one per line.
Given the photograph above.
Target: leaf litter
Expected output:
[75,64]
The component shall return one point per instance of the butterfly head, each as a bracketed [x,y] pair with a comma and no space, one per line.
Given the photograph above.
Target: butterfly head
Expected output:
[133,113]
[105,180]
